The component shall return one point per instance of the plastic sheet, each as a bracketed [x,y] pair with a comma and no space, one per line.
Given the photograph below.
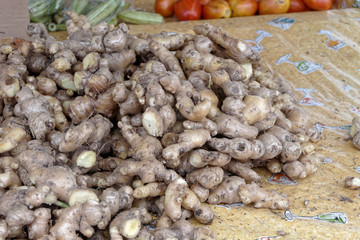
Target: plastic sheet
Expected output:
[346,4]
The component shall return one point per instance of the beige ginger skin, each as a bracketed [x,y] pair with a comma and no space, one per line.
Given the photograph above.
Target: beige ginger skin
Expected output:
[107,133]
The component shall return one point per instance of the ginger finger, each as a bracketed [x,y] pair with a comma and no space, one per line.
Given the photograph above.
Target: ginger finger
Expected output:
[188,140]
[125,224]
[243,170]
[202,212]
[10,138]
[200,158]
[208,177]
[252,193]
[149,190]
[237,49]
[238,148]
[227,191]
[40,226]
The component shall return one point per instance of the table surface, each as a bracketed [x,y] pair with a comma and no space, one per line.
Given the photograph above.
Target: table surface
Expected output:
[321,59]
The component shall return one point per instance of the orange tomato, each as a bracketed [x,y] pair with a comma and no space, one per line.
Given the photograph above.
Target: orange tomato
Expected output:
[273,6]
[319,4]
[297,6]
[216,9]
[165,7]
[242,8]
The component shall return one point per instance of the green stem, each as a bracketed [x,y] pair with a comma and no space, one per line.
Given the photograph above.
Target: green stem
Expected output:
[61,204]
[59,18]
[52,27]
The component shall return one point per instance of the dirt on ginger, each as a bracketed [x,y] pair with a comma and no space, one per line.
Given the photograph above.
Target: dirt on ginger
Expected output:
[108,135]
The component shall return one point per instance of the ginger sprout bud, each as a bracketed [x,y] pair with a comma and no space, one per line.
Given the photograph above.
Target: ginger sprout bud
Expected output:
[81,196]
[86,159]
[61,64]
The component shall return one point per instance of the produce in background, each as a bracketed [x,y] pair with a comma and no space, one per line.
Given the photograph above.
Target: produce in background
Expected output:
[48,12]
[186,10]
[112,11]
[165,7]
[51,13]
[216,9]
[273,6]
[79,6]
[242,8]
[204,2]
[104,11]
[319,5]
[297,6]
[108,134]
[42,11]
[140,17]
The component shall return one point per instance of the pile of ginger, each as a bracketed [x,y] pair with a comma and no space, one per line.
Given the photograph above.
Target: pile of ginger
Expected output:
[110,135]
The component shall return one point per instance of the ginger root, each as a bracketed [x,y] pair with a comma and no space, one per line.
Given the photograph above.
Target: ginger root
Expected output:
[302,168]
[40,119]
[227,191]
[352,183]
[187,141]
[106,134]
[252,193]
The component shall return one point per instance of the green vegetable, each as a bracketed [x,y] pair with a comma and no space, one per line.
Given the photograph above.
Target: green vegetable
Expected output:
[114,21]
[139,17]
[104,10]
[43,19]
[52,27]
[42,11]
[61,204]
[59,18]
[79,6]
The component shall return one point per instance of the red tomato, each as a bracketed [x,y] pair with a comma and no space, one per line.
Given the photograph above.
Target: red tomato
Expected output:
[165,7]
[204,2]
[297,6]
[187,10]
[319,4]
[217,9]
[243,7]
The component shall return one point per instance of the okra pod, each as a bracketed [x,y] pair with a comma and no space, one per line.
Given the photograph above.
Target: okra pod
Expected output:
[101,12]
[139,17]
[79,6]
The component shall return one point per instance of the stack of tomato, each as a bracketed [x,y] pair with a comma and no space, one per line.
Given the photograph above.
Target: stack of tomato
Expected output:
[214,9]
